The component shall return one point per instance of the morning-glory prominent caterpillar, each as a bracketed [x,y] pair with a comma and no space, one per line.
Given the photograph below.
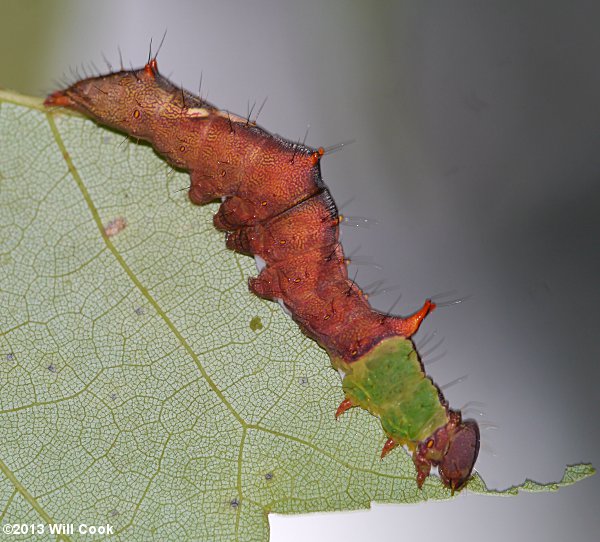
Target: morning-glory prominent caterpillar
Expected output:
[276,208]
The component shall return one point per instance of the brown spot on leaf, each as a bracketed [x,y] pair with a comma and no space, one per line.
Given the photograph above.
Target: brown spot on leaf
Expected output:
[115,226]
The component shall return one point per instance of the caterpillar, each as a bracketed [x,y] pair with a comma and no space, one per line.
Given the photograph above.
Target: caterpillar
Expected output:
[276,208]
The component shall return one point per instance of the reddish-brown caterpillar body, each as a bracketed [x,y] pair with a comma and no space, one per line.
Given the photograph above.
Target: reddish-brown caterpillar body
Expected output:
[276,208]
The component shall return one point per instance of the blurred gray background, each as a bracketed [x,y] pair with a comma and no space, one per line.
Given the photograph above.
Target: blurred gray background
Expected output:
[476,129]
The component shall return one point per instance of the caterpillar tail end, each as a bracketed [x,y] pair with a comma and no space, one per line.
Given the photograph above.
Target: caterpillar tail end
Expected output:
[58,99]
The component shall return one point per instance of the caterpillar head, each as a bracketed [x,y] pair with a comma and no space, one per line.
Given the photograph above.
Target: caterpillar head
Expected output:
[453,448]
[457,464]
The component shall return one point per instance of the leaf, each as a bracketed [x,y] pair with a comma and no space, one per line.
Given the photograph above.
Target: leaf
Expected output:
[141,384]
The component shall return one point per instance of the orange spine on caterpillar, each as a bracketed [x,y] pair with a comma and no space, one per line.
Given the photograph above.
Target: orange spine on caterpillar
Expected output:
[276,208]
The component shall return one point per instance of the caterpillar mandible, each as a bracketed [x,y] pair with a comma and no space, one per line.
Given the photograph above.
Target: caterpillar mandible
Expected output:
[276,208]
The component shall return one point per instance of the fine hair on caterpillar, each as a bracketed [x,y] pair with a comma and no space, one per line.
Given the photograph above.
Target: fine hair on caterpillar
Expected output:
[276,208]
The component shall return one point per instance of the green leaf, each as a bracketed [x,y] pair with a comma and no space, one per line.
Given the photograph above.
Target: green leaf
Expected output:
[141,384]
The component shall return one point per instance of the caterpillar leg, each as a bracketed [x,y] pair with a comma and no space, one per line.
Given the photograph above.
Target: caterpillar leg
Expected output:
[233,213]
[201,191]
[389,445]
[344,405]
[423,466]
[240,241]
[266,285]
